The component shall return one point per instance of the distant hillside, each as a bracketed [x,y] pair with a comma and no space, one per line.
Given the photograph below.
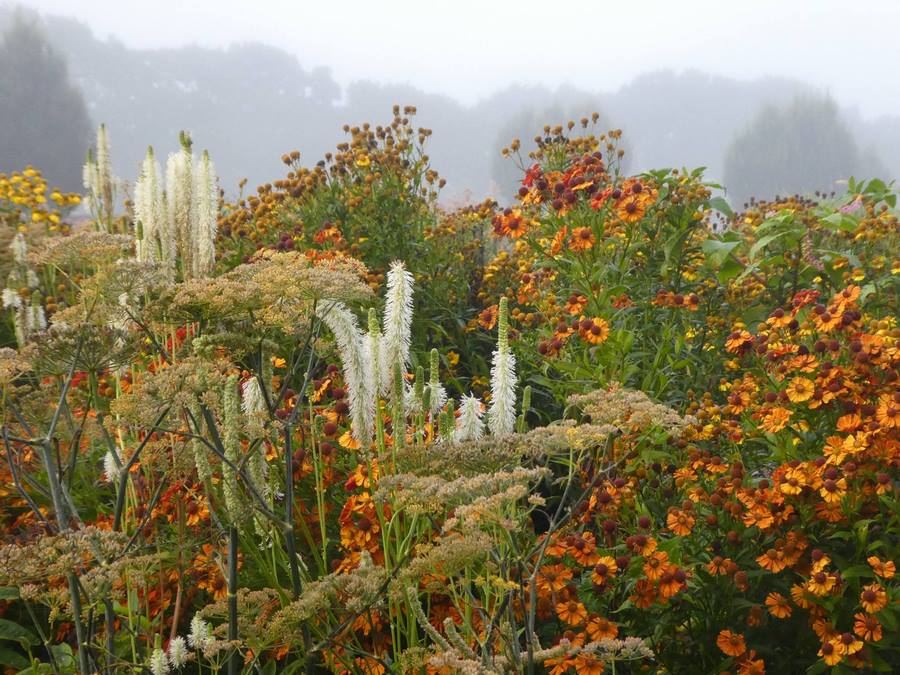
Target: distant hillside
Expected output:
[250,103]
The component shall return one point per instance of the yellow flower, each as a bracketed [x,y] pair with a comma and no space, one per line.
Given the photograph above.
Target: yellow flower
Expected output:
[800,389]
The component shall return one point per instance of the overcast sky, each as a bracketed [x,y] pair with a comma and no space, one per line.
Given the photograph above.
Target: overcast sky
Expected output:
[468,48]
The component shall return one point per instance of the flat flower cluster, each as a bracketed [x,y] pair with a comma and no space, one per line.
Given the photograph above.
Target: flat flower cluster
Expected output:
[612,426]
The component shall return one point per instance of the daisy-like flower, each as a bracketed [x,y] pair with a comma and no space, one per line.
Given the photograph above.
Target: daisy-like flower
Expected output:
[772,560]
[867,627]
[832,491]
[873,598]
[848,644]
[738,342]
[800,389]
[599,628]
[680,522]
[604,570]
[595,331]
[582,239]
[731,643]
[830,654]
[655,565]
[775,420]
[553,578]
[778,605]
[588,664]
[671,582]
[884,569]
[821,583]
[572,612]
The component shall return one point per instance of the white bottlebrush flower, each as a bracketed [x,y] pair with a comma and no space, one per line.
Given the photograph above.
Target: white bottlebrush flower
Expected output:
[19,248]
[112,466]
[204,216]
[355,359]
[200,634]
[150,210]
[179,186]
[159,662]
[104,164]
[469,426]
[36,319]
[437,395]
[374,343]
[398,312]
[502,413]
[178,652]
[11,298]
[90,177]
[253,403]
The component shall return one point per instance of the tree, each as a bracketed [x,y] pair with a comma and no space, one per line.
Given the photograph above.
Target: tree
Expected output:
[43,117]
[799,148]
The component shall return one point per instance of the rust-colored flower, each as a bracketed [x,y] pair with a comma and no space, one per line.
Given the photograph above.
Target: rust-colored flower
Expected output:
[572,612]
[731,643]
[867,627]
[883,568]
[582,239]
[873,598]
[778,605]
[599,627]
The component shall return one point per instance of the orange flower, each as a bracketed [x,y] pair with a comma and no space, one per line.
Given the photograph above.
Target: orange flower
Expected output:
[588,664]
[488,317]
[644,594]
[738,341]
[604,569]
[772,560]
[867,627]
[821,583]
[830,654]
[833,491]
[553,578]
[599,628]
[800,389]
[848,644]
[572,612]
[885,570]
[778,605]
[582,239]
[671,582]
[775,420]
[594,330]
[873,598]
[655,565]
[680,522]
[888,413]
[731,644]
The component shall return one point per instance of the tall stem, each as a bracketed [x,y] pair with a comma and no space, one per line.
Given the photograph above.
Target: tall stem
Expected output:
[234,659]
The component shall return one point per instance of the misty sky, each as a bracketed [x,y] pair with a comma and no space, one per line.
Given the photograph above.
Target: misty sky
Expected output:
[469,48]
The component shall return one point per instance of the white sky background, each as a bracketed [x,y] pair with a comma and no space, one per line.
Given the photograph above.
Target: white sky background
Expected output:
[468,49]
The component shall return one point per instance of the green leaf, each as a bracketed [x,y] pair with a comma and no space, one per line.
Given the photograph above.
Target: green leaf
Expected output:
[9,593]
[730,269]
[717,250]
[765,241]
[10,630]
[13,659]
[719,204]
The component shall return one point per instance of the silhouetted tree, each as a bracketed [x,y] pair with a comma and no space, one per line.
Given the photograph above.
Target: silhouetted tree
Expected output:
[43,118]
[799,148]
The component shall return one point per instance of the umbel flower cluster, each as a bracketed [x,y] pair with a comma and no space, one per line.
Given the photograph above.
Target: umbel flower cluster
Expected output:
[612,426]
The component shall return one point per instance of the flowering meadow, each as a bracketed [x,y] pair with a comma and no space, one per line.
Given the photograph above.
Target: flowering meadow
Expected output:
[334,426]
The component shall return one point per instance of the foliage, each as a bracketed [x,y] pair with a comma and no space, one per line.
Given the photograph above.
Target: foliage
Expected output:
[249,469]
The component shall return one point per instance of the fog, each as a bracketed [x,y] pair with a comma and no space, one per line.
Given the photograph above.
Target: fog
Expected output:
[683,80]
